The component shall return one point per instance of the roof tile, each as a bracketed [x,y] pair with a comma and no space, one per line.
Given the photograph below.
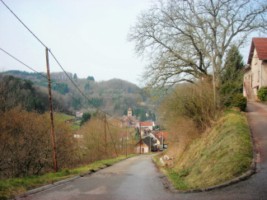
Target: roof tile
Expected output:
[261,47]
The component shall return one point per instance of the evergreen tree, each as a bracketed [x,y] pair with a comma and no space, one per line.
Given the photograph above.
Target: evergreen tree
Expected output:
[232,76]
[86,117]
[75,77]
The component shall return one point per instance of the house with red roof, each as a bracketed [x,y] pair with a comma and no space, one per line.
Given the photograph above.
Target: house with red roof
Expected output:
[161,136]
[255,75]
[146,127]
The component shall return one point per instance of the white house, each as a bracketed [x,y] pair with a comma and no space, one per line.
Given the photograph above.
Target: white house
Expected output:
[146,127]
[141,147]
[255,75]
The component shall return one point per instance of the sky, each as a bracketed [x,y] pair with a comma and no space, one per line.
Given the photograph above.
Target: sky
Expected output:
[88,37]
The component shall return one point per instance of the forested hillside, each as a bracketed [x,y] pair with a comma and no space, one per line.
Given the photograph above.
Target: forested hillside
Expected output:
[114,96]
[19,92]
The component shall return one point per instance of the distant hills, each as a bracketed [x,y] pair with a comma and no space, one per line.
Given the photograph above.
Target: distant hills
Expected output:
[114,96]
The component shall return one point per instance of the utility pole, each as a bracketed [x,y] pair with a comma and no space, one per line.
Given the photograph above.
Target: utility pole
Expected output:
[105,132]
[51,113]
[126,141]
[150,143]
[140,138]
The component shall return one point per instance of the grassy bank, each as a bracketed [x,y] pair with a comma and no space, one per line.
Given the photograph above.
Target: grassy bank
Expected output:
[221,154]
[15,186]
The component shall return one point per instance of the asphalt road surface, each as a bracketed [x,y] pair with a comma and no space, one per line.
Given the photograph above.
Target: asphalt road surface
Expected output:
[132,179]
[138,179]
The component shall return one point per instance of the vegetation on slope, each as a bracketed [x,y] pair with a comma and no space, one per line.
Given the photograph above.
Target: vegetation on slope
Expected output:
[114,96]
[219,155]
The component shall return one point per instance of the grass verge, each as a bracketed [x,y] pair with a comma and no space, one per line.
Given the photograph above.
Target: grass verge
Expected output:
[219,155]
[9,188]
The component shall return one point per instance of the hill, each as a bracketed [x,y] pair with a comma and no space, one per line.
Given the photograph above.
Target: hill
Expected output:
[221,154]
[114,96]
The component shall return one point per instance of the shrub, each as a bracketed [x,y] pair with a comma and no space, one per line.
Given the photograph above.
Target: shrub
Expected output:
[187,112]
[25,144]
[262,94]
[239,101]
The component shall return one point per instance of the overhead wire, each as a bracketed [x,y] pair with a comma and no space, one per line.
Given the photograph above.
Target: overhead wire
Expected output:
[75,85]
[40,41]
[59,64]
[22,23]
[18,60]
[23,63]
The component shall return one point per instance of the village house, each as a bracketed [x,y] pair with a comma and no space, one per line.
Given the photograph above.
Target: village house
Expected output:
[146,127]
[161,136]
[129,120]
[255,75]
[152,142]
[141,147]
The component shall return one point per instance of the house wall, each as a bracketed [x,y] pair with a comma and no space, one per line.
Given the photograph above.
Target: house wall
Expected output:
[263,73]
[144,148]
[247,83]
[258,73]
[255,72]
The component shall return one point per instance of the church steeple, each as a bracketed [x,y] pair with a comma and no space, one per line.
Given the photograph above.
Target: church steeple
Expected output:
[130,112]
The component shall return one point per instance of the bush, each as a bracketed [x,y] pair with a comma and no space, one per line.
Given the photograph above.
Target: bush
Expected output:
[262,94]
[188,110]
[239,101]
[86,117]
[25,144]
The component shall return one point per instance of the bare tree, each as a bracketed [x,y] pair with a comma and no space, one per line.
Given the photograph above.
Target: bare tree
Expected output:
[188,39]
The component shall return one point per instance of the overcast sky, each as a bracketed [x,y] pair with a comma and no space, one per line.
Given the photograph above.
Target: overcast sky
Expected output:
[89,37]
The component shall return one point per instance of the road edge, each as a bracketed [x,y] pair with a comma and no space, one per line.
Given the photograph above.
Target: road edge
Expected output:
[61,182]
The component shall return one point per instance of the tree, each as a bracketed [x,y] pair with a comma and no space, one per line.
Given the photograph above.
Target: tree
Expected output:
[15,91]
[62,88]
[232,76]
[87,87]
[76,102]
[25,144]
[95,102]
[90,78]
[186,39]
[86,116]
[75,77]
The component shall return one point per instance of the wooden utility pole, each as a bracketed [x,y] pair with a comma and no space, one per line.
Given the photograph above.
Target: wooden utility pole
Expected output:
[105,131]
[51,113]
[126,141]
[140,137]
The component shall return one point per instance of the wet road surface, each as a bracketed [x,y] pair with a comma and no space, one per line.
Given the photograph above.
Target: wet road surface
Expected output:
[138,179]
[132,179]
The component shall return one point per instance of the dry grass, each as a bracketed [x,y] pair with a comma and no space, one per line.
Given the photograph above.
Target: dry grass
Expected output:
[220,154]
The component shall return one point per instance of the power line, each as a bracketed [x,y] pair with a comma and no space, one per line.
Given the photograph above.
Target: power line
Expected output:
[75,85]
[23,23]
[37,38]
[48,50]
[21,62]
[10,55]
[67,75]
[34,35]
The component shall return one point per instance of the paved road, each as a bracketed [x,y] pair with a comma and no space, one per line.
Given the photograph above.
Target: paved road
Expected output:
[132,179]
[138,179]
